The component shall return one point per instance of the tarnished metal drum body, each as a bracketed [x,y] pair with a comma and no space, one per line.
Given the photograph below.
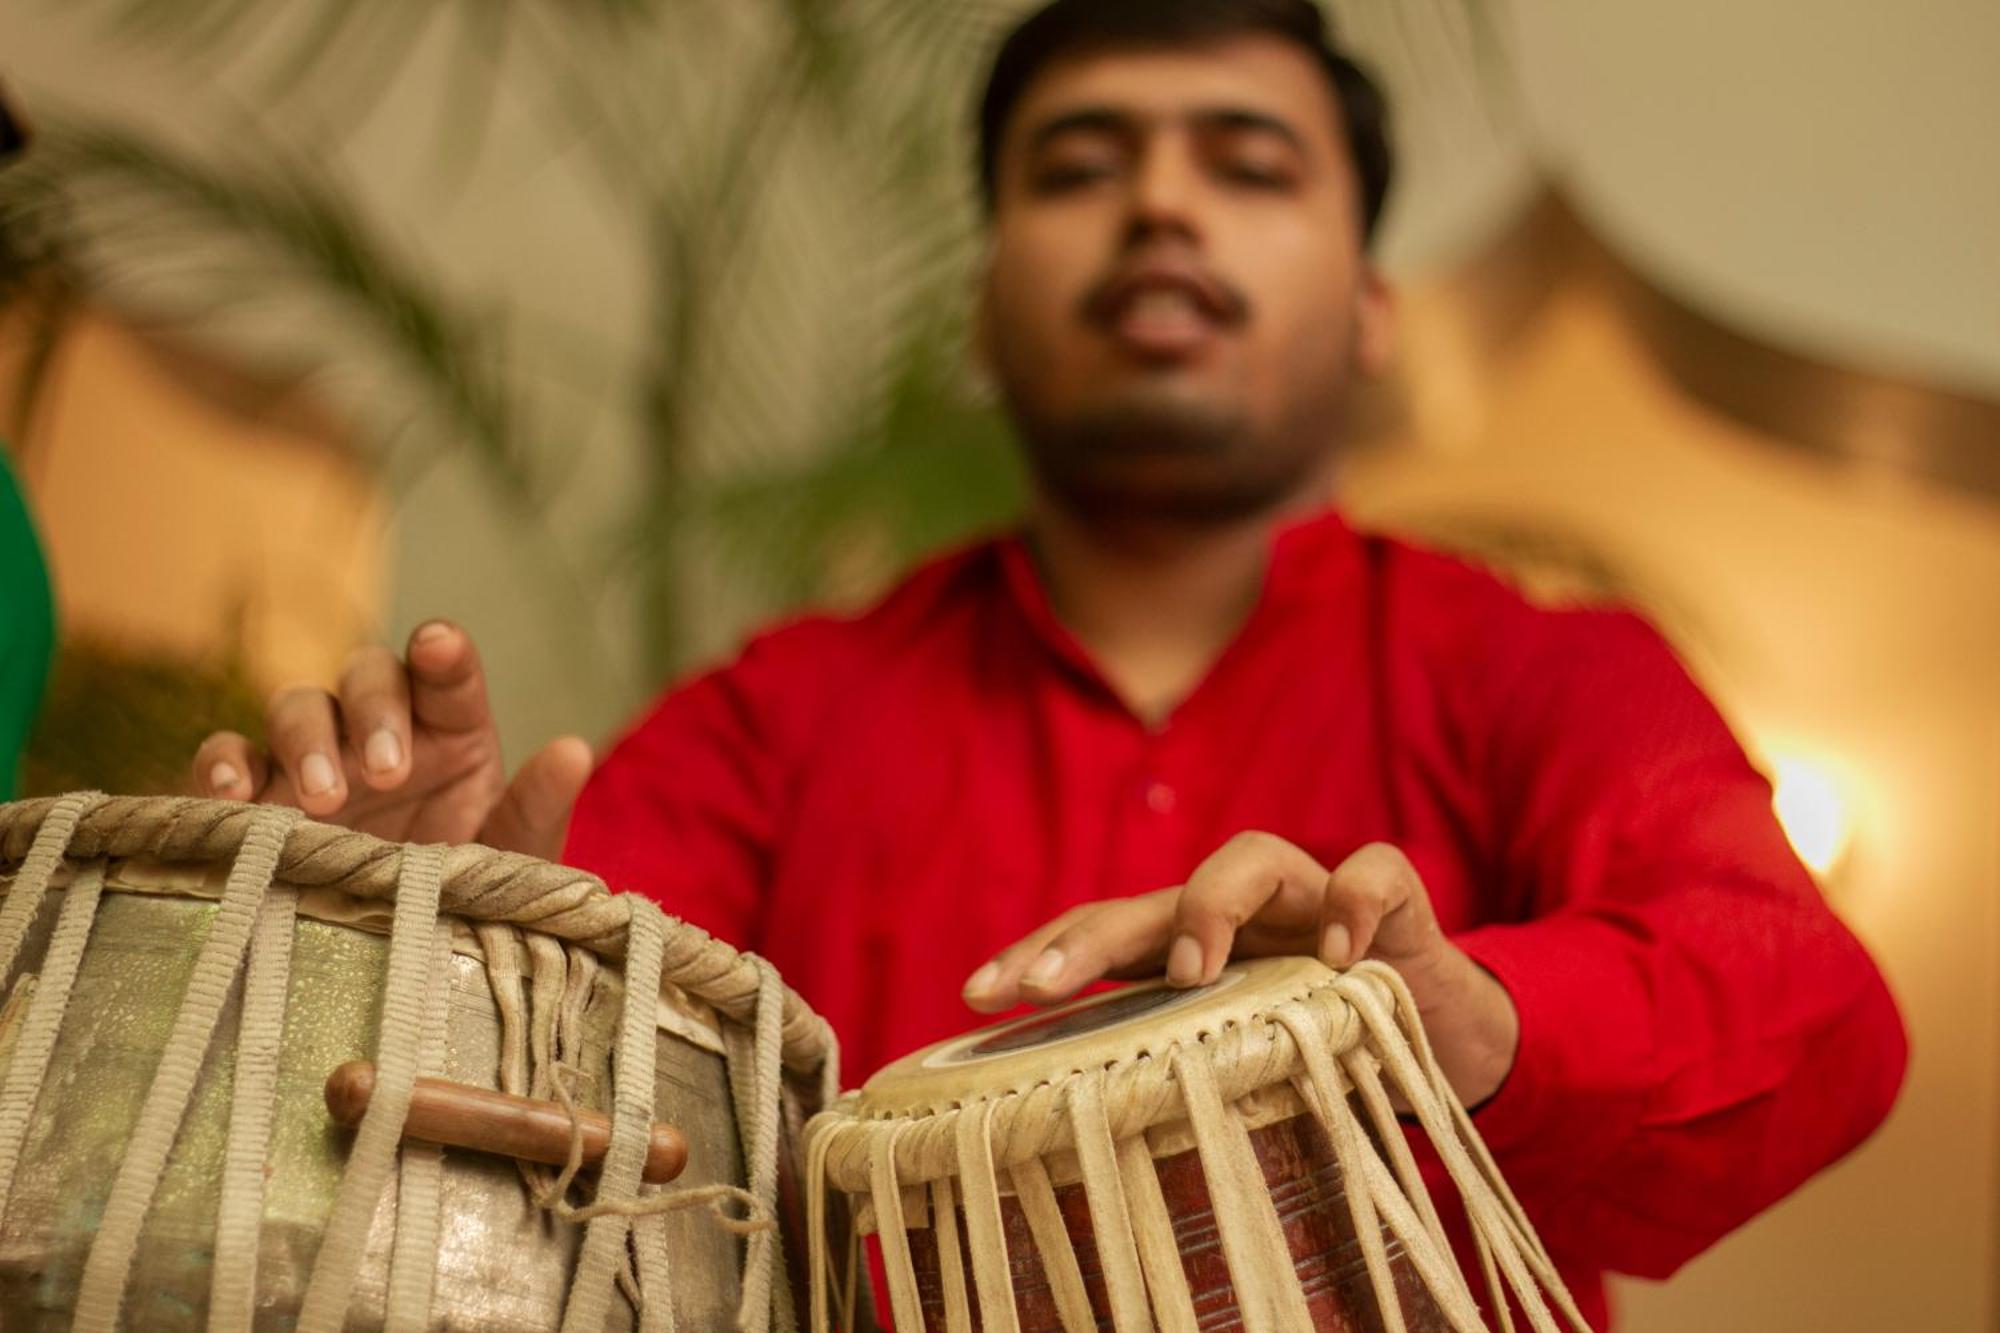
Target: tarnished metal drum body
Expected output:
[503,1263]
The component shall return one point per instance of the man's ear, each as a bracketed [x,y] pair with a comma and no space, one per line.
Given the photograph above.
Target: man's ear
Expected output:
[1375,324]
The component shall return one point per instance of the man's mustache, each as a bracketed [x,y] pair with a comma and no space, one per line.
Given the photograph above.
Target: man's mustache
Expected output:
[1217,297]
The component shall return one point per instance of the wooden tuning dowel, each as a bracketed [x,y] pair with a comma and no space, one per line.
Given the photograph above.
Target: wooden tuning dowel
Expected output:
[527,1128]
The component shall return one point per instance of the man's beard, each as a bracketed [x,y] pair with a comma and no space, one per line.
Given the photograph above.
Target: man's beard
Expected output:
[1153,457]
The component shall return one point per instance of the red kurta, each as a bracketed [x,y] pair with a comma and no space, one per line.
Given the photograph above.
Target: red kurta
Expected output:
[879,804]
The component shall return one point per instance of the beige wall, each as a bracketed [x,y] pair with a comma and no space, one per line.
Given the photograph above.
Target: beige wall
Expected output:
[1858,622]
[177,525]
[1820,171]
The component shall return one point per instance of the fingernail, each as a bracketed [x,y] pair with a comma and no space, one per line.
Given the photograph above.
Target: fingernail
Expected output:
[1334,945]
[223,777]
[383,751]
[316,775]
[1184,961]
[1045,969]
[433,629]
[982,980]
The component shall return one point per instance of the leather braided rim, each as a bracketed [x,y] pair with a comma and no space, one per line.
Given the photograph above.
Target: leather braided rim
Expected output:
[480,884]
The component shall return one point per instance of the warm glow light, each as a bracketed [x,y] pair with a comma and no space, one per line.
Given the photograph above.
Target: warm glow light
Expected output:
[1812,809]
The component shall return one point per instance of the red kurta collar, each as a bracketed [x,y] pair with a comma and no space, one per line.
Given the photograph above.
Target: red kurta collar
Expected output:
[1313,557]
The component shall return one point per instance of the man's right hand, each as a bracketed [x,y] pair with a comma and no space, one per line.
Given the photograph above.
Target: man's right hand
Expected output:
[407,750]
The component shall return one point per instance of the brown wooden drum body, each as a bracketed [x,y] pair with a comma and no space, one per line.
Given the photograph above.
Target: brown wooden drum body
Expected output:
[1225,1157]
[1305,1183]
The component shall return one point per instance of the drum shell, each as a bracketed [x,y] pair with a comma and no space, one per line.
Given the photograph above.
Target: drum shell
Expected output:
[1307,1190]
[503,1264]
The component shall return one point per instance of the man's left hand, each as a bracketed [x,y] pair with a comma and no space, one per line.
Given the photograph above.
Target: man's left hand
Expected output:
[1259,896]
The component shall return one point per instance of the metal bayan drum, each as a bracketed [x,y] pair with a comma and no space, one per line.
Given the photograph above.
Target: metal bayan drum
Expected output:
[1176,1159]
[182,976]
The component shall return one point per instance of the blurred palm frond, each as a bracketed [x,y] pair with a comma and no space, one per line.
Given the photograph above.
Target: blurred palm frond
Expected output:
[128,199]
[790,176]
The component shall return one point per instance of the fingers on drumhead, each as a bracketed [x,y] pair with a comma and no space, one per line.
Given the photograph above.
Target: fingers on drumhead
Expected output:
[1379,867]
[304,729]
[1226,891]
[1096,942]
[375,707]
[1382,895]
[447,683]
[997,984]
[533,814]
[229,767]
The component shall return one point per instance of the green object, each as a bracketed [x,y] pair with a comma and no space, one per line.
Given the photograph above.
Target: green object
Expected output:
[27,627]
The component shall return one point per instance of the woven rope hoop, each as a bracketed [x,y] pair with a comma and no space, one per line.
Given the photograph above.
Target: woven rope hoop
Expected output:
[478,883]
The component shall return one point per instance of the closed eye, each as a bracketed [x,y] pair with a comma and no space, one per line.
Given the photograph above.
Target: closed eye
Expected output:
[1257,175]
[1061,177]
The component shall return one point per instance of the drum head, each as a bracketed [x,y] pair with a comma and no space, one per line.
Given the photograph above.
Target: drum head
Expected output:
[1133,1022]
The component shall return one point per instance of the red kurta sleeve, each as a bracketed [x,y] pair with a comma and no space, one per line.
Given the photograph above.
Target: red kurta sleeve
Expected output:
[1699,1032]
[685,807]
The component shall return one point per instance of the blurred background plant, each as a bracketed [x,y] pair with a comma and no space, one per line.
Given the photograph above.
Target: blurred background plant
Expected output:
[696,159]
[783,415]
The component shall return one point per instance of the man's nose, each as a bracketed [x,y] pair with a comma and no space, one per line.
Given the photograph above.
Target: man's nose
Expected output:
[1166,193]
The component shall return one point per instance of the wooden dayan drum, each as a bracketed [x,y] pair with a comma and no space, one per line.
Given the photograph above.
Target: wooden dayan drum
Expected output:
[1157,1158]
[181,978]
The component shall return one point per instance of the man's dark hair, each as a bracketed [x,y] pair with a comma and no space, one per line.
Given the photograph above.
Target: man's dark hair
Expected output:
[1068,27]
